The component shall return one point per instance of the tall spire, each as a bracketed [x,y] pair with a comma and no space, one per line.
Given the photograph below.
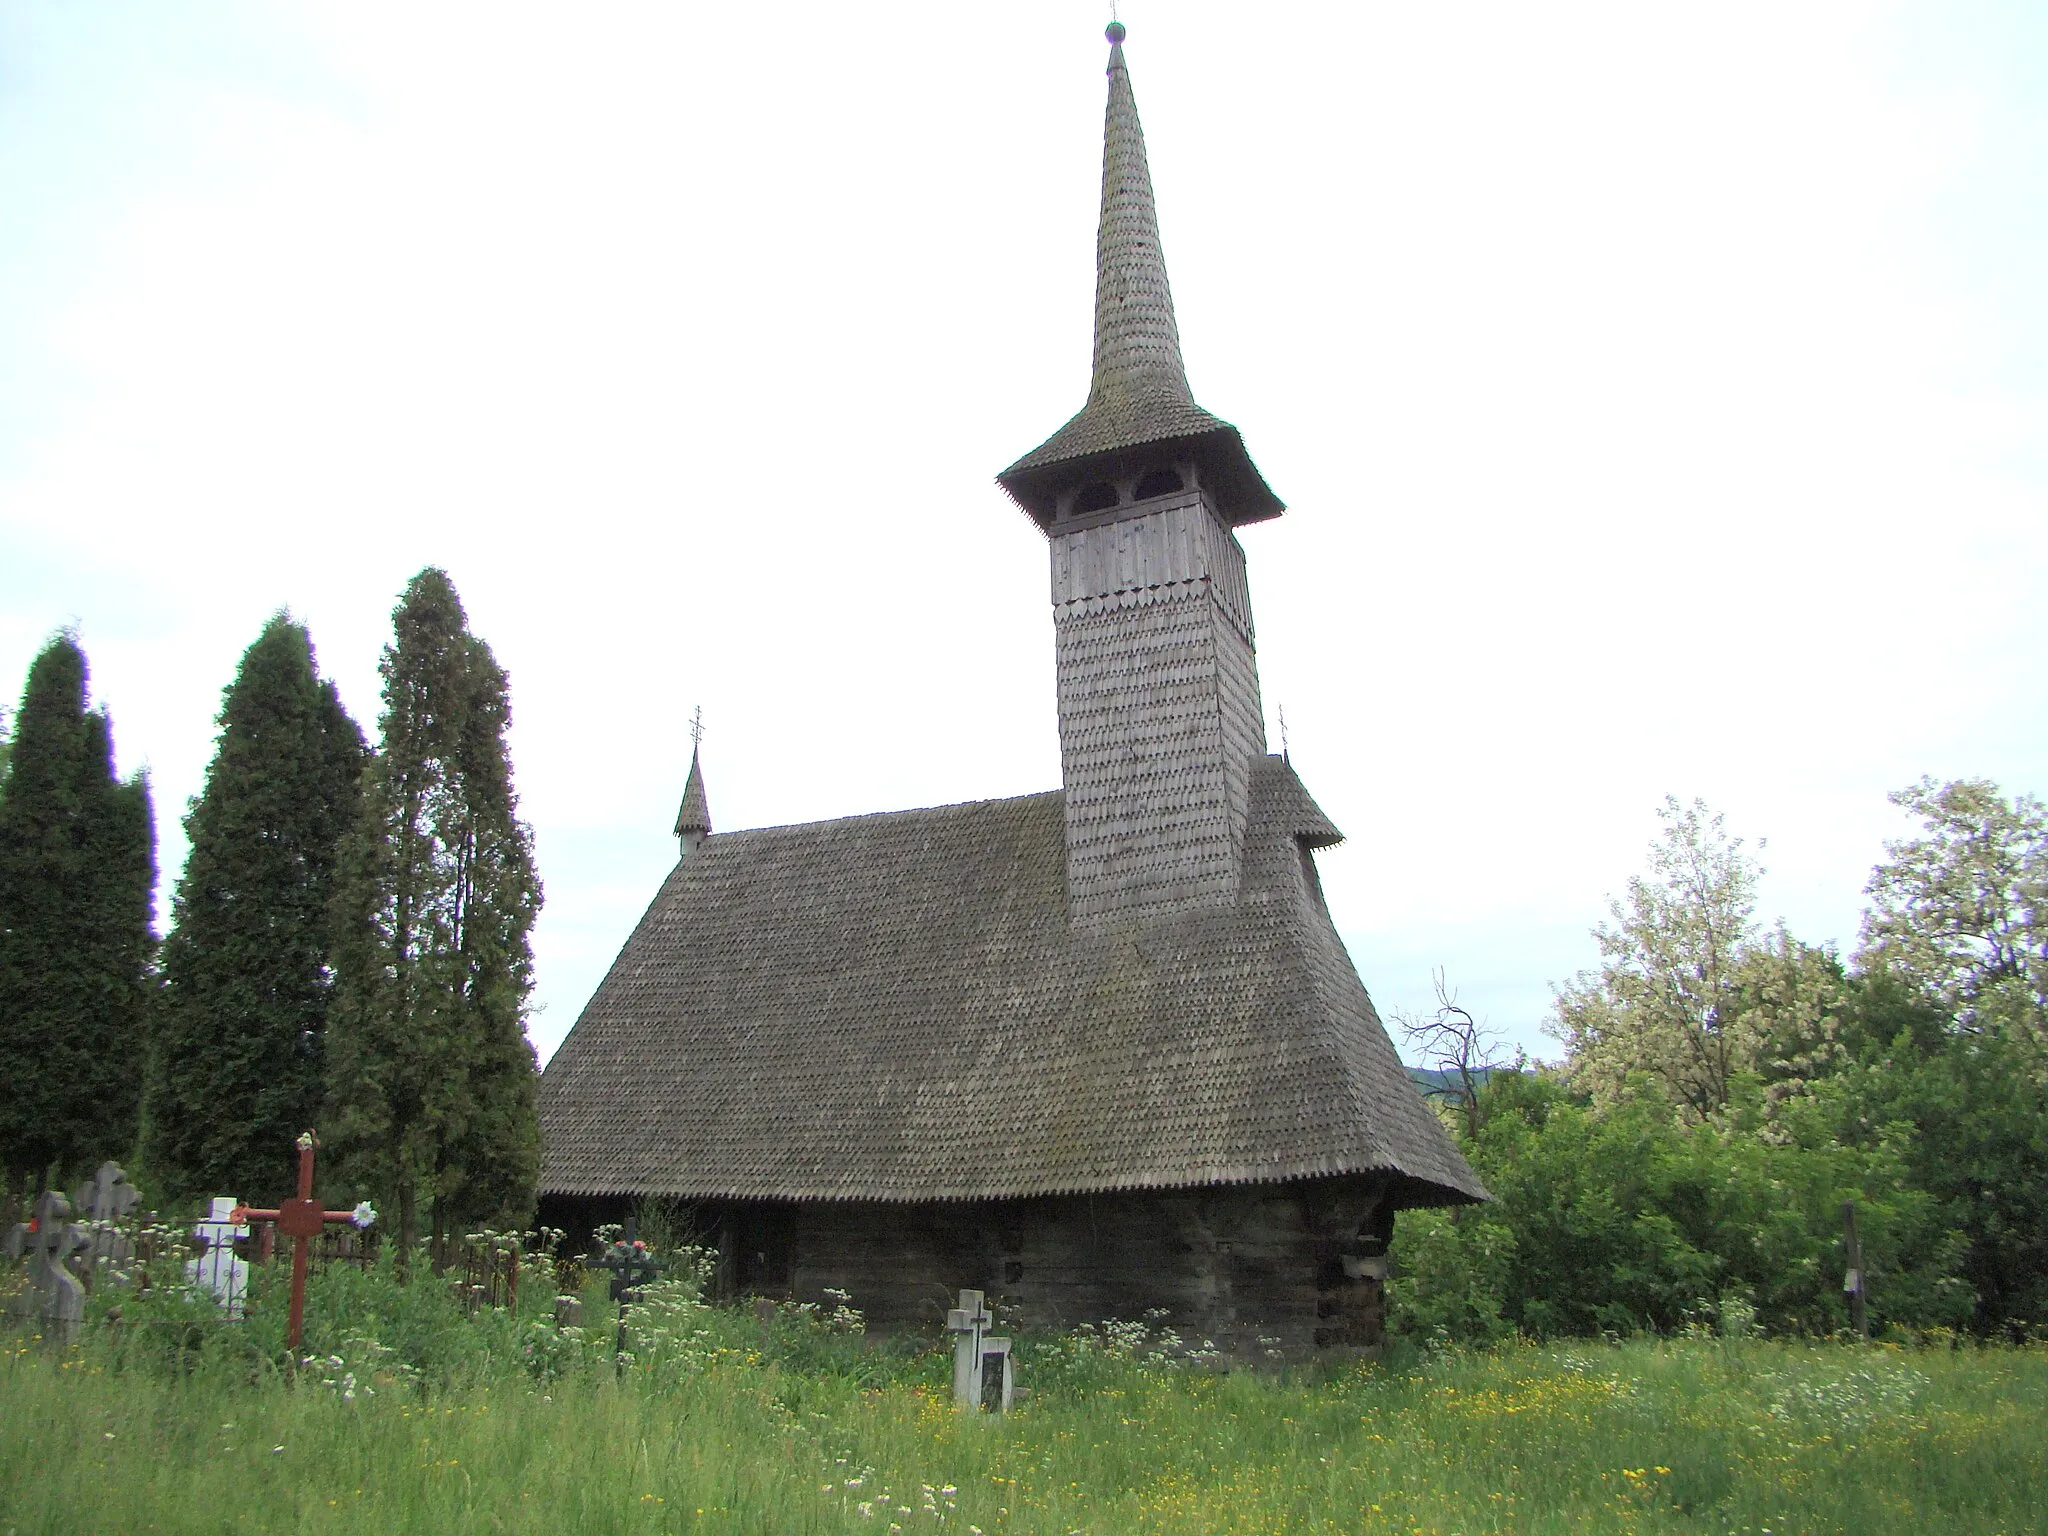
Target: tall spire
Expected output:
[1139,405]
[693,820]
[1137,343]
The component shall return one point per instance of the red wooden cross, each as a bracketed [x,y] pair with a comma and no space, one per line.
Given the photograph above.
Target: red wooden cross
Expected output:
[301,1220]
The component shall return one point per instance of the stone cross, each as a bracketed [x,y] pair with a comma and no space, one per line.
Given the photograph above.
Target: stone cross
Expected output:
[976,1355]
[107,1195]
[54,1296]
[219,1268]
[102,1202]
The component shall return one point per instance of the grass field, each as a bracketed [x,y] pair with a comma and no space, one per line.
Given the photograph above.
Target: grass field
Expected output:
[721,1423]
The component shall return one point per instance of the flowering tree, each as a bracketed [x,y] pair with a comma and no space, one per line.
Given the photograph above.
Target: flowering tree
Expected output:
[1960,913]
[1692,994]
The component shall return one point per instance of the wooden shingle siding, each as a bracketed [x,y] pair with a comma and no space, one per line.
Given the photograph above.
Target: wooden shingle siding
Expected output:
[1138,393]
[896,1007]
[1159,710]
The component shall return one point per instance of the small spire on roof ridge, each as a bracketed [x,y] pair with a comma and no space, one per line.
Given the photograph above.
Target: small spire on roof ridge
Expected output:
[693,820]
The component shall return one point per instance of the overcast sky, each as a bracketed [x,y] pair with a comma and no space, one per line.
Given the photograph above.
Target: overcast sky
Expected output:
[1660,395]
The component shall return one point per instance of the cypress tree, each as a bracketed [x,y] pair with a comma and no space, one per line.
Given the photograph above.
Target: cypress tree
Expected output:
[235,1069]
[431,1080]
[77,872]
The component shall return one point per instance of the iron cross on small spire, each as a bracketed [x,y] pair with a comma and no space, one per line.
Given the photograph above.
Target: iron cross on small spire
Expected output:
[1283,734]
[697,727]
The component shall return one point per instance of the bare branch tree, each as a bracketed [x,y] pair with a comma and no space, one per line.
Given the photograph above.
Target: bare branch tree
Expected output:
[1461,1051]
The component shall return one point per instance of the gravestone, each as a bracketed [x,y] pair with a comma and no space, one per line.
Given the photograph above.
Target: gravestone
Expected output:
[218,1268]
[103,1203]
[981,1364]
[53,1296]
[107,1195]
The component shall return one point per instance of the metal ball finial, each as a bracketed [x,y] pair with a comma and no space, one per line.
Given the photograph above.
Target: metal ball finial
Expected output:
[1114,31]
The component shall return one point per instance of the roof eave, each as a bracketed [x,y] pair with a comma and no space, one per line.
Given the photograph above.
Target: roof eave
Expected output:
[1415,1190]
[1239,492]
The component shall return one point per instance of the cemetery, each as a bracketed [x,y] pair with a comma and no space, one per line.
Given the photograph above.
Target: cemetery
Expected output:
[528,1388]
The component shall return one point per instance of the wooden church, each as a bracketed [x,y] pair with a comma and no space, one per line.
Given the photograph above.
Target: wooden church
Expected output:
[1095,1051]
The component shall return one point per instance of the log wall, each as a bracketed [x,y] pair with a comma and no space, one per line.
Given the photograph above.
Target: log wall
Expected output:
[1261,1272]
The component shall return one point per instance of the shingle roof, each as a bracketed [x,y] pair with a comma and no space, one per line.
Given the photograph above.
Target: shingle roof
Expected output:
[1138,395]
[695,812]
[893,1007]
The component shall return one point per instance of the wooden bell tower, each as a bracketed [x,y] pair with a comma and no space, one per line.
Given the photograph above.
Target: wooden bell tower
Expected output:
[1139,495]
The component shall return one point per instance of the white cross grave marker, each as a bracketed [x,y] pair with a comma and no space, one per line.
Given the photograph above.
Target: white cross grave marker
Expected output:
[975,1354]
[219,1268]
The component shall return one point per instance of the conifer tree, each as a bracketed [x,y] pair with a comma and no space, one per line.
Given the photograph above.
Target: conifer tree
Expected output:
[235,1064]
[431,1080]
[77,872]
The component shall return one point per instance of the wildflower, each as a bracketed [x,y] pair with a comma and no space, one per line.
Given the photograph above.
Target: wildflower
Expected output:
[867,1510]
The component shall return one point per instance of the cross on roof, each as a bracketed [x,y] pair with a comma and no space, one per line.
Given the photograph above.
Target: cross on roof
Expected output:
[697,727]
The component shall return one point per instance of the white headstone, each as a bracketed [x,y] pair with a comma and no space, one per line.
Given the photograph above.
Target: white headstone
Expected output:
[969,1324]
[219,1268]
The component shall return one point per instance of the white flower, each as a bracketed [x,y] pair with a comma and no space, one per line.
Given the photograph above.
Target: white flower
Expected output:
[363,1216]
[867,1511]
